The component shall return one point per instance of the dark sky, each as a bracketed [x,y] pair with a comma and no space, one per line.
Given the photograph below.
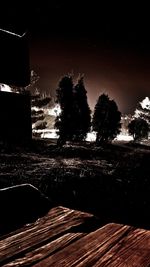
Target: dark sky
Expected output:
[109,44]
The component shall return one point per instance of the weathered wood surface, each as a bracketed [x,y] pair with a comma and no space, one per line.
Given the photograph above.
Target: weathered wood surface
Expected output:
[68,238]
[58,222]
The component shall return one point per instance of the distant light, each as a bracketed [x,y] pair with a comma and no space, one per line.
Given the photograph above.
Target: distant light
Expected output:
[51,133]
[37,109]
[145,103]
[124,137]
[91,137]
[5,88]
[47,133]
[54,111]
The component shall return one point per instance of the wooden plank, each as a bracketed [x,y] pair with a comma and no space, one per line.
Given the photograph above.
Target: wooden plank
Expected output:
[51,215]
[88,249]
[46,250]
[132,250]
[57,222]
[55,241]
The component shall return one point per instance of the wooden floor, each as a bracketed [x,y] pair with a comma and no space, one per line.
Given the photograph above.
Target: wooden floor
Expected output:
[71,238]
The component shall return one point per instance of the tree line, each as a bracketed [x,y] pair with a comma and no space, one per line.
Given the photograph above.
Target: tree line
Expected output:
[75,119]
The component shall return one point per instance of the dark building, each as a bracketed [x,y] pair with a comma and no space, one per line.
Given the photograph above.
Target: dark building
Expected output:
[15,117]
[14,59]
[15,108]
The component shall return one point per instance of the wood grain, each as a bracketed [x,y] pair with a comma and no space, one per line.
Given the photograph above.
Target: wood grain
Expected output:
[56,222]
[132,250]
[90,247]
[60,239]
[46,250]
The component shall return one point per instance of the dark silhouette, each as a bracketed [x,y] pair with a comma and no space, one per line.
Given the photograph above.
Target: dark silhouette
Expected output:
[64,122]
[21,204]
[82,120]
[74,121]
[15,109]
[139,128]
[106,119]
[15,118]
[14,55]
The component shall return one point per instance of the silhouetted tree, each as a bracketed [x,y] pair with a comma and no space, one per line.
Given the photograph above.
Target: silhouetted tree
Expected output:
[82,112]
[138,128]
[64,121]
[106,119]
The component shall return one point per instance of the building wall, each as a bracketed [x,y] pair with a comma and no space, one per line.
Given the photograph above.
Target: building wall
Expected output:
[14,59]
[15,117]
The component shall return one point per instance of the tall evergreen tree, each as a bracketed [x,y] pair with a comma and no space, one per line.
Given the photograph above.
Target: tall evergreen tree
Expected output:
[106,119]
[64,122]
[82,112]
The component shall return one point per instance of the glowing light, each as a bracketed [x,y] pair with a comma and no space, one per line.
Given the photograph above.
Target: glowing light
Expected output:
[91,137]
[47,133]
[5,88]
[51,133]
[54,111]
[124,137]
[145,103]
[37,109]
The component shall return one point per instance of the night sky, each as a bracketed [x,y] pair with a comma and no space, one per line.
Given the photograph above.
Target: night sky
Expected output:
[109,44]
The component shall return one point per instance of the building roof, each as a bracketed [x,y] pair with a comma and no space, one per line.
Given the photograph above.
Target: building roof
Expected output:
[14,59]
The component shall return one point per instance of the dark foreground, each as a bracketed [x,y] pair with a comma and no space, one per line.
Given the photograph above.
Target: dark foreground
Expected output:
[112,182]
[69,238]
